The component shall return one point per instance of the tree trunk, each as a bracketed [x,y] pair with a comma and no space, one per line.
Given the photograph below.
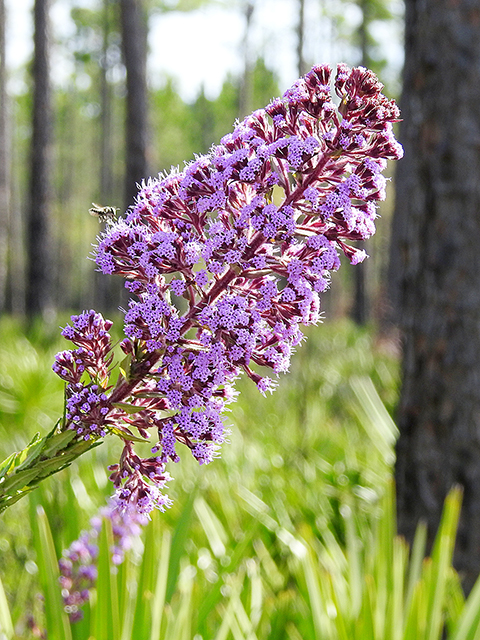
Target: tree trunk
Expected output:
[134,39]
[301,65]
[107,290]
[39,254]
[106,142]
[360,308]
[435,267]
[245,97]
[4,163]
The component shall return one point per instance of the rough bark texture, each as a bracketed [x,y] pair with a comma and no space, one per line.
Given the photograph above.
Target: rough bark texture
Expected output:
[435,267]
[134,39]
[360,307]
[4,163]
[39,254]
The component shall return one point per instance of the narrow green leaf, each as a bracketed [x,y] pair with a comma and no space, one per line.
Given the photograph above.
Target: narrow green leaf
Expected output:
[125,435]
[335,607]
[415,619]
[416,560]
[6,626]
[316,606]
[127,407]
[224,629]
[256,592]
[58,626]
[355,581]
[382,431]
[455,601]
[468,625]
[178,544]
[183,619]
[213,598]
[396,612]
[146,582]
[19,480]
[127,578]
[32,450]
[441,562]
[6,465]
[106,617]
[366,628]
[124,366]
[212,526]
[58,442]
[161,586]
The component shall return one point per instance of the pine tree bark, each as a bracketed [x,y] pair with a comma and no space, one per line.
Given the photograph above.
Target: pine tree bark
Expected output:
[39,254]
[245,97]
[300,32]
[134,40]
[359,312]
[108,291]
[4,162]
[434,271]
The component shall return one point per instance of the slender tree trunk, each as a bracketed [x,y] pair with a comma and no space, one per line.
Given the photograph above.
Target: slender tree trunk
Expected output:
[245,97]
[301,65]
[39,255]
[360,308]
[4,162]
[106,169]
[107,290]
[435,267]
[134,38]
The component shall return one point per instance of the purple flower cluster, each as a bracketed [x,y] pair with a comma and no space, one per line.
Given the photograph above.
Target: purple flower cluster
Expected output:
[87,405]
[226,259]
[78,570]
[78,574]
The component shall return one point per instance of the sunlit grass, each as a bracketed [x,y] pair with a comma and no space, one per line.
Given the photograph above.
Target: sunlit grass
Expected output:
[258,543]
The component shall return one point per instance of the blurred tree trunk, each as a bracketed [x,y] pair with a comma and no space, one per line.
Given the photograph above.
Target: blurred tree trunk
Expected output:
[245,97]
[360,309]
[39,254]
[301,65]
[434,271]
[107,290]
[134,39]
[4,162]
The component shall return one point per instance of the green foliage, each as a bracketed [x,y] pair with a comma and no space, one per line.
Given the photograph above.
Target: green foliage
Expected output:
[31,395]
[373,590]
[183,130]
[290,535]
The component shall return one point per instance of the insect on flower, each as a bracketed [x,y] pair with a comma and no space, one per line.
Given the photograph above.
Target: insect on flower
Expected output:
[104,214]
[250,268]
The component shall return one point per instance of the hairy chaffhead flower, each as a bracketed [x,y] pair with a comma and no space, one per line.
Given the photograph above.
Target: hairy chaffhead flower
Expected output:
[225,260]
[78,564]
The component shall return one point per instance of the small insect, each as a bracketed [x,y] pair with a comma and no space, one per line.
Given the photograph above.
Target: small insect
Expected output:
[104,214]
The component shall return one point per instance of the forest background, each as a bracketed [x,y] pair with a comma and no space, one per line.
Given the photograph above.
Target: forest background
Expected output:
[86,147]
[89,135]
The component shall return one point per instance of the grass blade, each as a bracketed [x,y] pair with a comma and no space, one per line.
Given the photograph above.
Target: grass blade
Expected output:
[6,626]
[161,587]
[468,626]
[58,626]
[106,618]
[441,562]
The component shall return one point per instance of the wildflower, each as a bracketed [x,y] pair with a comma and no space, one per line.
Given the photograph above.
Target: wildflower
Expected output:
[247,236]
[78,569]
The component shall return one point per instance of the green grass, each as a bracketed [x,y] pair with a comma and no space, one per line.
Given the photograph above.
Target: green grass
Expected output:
[291,534]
